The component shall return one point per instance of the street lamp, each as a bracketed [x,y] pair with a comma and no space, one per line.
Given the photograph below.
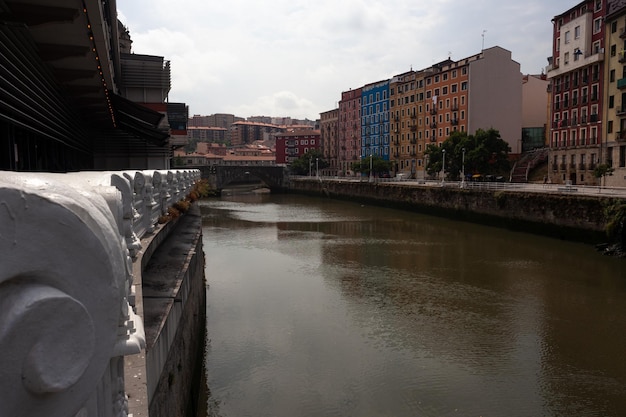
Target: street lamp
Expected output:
[443,176]
[463,170]
[371,156]
[317,167]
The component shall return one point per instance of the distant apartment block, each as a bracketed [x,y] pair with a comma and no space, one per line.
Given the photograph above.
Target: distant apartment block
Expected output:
[349,136]
[375,120]
[292,145]
[242,133]
[208,134]
[221,120]
[329,140]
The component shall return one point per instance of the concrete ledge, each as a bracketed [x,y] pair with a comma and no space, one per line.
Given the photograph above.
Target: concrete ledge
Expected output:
[171,298]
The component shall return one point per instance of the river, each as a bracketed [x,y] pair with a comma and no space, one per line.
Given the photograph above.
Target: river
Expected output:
[317,307]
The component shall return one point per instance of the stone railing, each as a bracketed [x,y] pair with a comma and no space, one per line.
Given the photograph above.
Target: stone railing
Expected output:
[67,243]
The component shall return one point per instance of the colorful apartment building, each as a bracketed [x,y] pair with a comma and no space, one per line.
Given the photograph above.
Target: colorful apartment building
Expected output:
[375,120]
[330,141]
[400,117]
[615,97]
[406,93]
[577,138]
[349,135]
[292,145]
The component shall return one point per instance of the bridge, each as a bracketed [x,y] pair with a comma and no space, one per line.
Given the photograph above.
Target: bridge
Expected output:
[219,176]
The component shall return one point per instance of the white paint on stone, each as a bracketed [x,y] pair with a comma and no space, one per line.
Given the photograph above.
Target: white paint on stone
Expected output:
[66,286]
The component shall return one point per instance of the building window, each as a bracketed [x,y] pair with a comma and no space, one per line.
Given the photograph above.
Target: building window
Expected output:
[597,25]
[614,26]
[598,5]
[464,86]
[567,37]
[613,49]
[566,58]
[577,32]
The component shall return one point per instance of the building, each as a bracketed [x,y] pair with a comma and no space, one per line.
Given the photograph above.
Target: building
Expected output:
[330,141]
[615,97]
[68,93]
[243,133]
[398,118]
[534,111]
[406,106]
[349,139]
[577,113]
[375,120]
[208,134]
[221,120]
[292,145]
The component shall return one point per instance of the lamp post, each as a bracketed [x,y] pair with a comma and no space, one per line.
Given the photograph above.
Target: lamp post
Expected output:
[443,170]
[310,166]
[463,170]
[317,167]
[371,157]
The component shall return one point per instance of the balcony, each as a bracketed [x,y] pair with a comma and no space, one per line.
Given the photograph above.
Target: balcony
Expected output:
[562,167]
[454,122]
[433,111]
[622,33]
[592,166]
[582,166]
[413,128]
[593,118]
[455,107]
[433,125]
[621,110]
[621,83]
[622,57]
[620,136]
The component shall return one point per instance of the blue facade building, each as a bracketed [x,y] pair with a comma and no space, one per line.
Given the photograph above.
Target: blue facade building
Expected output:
[375,120]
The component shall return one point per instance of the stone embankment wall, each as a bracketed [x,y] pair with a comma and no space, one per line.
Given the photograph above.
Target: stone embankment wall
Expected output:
[562,215]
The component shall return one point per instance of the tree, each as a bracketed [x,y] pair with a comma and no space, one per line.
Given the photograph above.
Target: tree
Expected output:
[308,163]
[602,171]
[485,152]
[378,164]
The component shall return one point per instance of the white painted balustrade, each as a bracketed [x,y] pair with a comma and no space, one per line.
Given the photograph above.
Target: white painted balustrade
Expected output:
[66,286]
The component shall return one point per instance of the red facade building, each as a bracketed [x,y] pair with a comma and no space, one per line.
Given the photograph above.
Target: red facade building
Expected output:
[292,145]
[576,77]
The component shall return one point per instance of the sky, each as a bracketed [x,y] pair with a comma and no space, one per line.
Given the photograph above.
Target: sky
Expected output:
[293,58]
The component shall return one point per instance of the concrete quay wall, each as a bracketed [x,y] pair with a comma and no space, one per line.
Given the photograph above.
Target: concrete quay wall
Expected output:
[562,215]
[174,305]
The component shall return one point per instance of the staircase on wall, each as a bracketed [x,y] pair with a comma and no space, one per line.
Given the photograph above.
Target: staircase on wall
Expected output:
[526,163]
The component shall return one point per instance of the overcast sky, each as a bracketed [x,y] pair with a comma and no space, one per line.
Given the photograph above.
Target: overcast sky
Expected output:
[295,57]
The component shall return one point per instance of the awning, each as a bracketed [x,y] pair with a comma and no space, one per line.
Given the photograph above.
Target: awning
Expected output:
[139,120]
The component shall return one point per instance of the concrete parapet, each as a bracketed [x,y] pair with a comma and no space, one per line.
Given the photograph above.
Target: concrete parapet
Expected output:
[68,285]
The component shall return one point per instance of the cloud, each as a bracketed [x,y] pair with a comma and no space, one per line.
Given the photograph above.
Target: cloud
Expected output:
[295,57]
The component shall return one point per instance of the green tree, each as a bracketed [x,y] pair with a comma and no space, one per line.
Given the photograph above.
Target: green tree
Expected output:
[485,152]
[308,163]
[602,171]
[378,164]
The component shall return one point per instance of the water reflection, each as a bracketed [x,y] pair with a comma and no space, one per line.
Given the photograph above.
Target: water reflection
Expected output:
[319,307]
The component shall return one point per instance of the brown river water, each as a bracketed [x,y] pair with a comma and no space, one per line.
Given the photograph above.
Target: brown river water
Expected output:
[318,307]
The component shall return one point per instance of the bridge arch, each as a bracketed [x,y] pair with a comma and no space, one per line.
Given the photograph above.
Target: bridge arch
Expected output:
[220,176]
